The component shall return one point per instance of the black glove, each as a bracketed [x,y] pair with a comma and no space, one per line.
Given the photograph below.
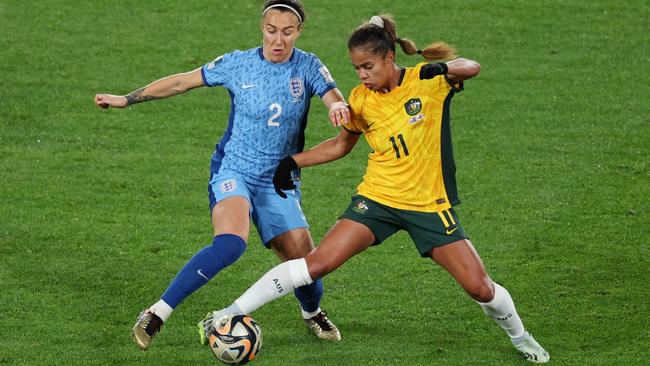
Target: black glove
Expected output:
[428,71]
[282,176]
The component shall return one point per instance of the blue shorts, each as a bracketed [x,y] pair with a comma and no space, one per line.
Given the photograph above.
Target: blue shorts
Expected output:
[271,214]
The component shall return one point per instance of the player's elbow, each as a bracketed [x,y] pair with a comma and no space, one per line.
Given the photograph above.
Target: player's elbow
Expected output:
[340,150]
[179,87]
[185,81]
[473,68]
[465,67]
[345,143]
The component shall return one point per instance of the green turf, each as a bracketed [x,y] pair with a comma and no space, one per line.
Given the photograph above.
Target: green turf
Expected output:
[100,208]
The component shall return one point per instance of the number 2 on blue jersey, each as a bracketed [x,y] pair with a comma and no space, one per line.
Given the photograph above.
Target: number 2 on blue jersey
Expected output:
[278,111]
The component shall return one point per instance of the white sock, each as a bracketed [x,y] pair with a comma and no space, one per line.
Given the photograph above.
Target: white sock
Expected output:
[309,315]
[502,310]
[230,310]
[162,309]
[277,282]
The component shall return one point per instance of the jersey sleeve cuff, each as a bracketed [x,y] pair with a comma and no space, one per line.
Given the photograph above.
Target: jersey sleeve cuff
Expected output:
[205,80]
[455,86]
[329,87]
[350,131]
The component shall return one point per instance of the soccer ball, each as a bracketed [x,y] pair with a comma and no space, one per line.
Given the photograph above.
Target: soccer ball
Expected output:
[236,339]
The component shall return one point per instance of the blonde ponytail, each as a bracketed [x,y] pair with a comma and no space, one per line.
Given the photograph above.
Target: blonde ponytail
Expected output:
[438,51]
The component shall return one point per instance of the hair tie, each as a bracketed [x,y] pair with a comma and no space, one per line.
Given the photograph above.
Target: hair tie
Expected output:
[419,52]
[376,20]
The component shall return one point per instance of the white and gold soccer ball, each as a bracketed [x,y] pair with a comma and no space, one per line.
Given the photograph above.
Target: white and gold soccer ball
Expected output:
[236,339]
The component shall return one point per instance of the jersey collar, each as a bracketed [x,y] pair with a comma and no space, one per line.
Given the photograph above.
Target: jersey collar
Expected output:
[260,52]
[402,72]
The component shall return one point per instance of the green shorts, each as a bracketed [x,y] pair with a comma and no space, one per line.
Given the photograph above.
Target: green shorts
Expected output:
[427,229]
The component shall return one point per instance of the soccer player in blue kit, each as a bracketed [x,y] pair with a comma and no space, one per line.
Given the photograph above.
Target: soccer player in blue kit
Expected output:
[270,89]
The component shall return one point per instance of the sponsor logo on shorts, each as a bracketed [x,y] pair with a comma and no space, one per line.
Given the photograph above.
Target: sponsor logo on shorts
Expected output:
[450,230]
[361,207]
[440,201]
[228,185]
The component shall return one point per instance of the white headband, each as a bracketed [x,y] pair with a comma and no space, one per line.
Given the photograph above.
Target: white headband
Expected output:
[283,6]
[376,20]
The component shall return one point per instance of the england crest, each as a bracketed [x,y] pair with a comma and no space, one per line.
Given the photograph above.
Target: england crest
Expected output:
[228,185]
[296,88]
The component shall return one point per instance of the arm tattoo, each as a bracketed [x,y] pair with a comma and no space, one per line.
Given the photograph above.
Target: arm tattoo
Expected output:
[137,97]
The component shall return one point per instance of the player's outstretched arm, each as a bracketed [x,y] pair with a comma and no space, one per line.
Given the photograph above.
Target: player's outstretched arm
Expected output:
[339,112]
[462,69]
[328,150]
[456,70]
[161,88]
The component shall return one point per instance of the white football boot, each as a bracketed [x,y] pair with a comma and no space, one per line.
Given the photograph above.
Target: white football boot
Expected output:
[323,327]
[531,350]
[206,325]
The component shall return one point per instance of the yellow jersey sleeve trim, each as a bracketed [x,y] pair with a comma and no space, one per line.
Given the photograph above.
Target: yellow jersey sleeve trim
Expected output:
[352,131]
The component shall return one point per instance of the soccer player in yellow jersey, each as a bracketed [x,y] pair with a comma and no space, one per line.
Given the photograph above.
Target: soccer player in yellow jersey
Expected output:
[409,183]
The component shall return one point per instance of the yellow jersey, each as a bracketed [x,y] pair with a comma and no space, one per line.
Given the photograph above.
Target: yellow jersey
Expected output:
[412,165]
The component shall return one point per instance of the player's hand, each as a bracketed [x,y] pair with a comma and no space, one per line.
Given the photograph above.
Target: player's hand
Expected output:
[429,71]
[108,100]
[282,176]
[339,113]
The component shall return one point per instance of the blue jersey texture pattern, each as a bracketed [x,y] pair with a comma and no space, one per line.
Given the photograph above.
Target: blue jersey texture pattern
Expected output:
[269,107]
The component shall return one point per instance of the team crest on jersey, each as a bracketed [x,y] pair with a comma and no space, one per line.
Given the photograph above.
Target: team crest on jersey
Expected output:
[413,106]
[361,207]
[228,185]
[296,88]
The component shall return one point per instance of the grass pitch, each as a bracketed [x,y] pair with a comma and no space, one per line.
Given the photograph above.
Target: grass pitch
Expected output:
[99,209]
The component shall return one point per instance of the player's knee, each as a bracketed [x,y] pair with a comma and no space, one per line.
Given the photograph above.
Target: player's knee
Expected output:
[288,250]
[481,290]
[318,269]
[228,248]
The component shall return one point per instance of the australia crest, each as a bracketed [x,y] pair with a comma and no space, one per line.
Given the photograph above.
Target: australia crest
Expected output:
[413,106]
[360,207]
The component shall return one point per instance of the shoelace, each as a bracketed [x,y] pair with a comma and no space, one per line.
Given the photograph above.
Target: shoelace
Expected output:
[322,321]
[153,325]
